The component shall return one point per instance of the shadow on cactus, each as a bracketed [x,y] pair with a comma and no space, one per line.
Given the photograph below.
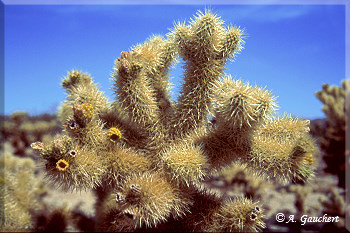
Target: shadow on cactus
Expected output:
[146,155]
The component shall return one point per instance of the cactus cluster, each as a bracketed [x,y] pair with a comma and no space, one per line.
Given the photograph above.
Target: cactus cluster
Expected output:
[238,179]
[332,134]
[21,193]
[24,207]
[146,155]
[20,130]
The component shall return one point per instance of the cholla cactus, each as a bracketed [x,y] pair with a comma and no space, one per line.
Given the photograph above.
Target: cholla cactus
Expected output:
[21,193]
[332,140]
[334,98]
[21,130]
[146,155]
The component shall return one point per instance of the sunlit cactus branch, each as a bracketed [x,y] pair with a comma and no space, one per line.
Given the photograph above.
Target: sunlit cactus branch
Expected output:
[146,155]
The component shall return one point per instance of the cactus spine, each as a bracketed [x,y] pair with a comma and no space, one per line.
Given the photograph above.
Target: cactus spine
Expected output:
[145,155]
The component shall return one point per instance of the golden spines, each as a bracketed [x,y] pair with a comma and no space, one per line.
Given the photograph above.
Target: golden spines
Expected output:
[238,215]
[186,162]
[146,156]
[75,78]
[142,86]
[205,39]
[304,159]
[235,104]
[38,146]
[123,162]
[133,89]
[159,79]
[54,151]
[239,105]
[83,113]
[272,157]
[238,109]
[81,90]
[198,44]
[206,30]
[217,154]
[86,127]
[132,134]
[335,99]
[283,149]
[147,200]
[180,36]
[204,205]
[70,165]
[282,128]
[265,102]
[91,134]
[21,193]
[231,43]
[211,213]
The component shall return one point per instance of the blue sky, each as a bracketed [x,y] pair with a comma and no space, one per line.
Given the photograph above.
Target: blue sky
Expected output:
[290,49]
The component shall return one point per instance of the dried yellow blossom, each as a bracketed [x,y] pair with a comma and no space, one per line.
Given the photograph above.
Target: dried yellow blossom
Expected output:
[62,165]
[88,111]
[308,158]
[114,134]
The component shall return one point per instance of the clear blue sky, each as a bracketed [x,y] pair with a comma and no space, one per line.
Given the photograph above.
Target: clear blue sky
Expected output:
[290,49]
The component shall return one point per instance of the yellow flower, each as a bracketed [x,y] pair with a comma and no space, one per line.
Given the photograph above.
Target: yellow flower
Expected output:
[308,158]
[62,165]
[88,111]
[114,135]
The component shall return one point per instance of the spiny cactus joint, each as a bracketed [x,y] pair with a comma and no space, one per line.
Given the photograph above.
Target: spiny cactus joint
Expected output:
[146,155]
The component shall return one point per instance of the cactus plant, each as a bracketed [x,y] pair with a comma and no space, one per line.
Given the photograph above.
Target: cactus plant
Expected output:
[21,194]
[332,138]
[146,155]
[21,130]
